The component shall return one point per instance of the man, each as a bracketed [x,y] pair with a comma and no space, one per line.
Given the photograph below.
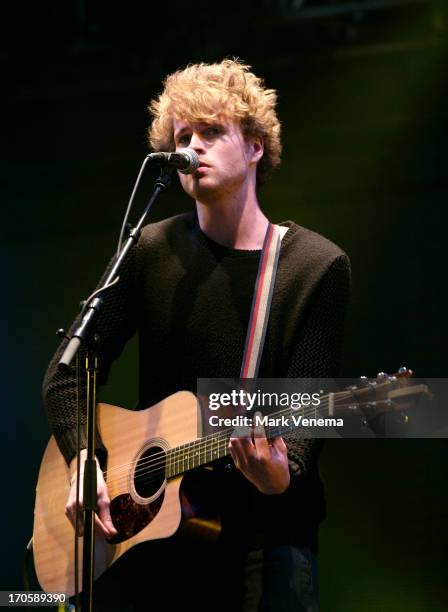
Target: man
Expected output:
[187,288]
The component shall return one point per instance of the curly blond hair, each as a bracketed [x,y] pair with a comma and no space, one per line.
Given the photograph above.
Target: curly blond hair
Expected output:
[209,92]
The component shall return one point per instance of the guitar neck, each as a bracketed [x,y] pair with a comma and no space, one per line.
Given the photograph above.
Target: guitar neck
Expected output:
[373,396]
[216,446]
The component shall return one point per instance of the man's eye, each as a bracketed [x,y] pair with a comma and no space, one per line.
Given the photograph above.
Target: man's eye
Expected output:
[211,131]
[184,139]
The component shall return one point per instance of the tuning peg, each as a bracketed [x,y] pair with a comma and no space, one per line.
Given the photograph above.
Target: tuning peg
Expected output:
[405,372]
[382,375]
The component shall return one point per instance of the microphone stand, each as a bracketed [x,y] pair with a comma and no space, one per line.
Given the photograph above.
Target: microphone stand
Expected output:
[85,334]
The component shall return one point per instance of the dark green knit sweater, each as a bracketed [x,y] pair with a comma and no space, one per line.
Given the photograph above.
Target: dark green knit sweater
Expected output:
[189,299]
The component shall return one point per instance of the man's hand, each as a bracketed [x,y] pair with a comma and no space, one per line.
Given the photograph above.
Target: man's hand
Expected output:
[103,520]
[264,462]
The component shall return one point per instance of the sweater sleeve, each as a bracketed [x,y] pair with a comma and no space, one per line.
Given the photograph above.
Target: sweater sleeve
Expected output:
[115,325]
[317,352]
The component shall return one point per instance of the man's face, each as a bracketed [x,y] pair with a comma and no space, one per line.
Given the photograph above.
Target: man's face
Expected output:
[226,159]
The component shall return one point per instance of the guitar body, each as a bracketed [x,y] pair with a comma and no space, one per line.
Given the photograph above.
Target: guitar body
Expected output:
[142,508]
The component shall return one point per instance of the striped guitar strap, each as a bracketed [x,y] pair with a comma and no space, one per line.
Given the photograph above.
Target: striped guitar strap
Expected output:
[261,302]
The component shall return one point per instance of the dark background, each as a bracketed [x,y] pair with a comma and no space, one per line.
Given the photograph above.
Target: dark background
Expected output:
[363,103]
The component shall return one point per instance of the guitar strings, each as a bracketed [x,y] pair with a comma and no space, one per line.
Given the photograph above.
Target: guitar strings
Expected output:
[200,446]
[184,451]
[151,474]
[205,440]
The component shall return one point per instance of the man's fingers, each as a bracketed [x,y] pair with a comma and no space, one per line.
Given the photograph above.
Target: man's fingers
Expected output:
[258,426]
[242,450]
[235,451]
[105,517]
[102,529]
[260,440]
[103,520]
[279,445]
[106,520]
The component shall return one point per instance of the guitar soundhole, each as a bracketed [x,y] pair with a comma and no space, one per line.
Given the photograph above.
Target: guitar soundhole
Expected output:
[149,474]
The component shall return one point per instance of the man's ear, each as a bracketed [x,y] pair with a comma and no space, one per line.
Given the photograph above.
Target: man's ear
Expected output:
[257,148]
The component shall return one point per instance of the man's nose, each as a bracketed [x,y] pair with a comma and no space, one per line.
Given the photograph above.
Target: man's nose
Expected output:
[197,142]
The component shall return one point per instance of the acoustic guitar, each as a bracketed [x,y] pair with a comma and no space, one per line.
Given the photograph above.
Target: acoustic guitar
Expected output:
[149,453]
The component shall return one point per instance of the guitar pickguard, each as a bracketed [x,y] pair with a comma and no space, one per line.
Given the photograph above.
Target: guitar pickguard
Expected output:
[130,517]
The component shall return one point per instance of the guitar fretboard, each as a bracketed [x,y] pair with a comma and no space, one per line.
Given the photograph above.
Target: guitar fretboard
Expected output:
[216,446]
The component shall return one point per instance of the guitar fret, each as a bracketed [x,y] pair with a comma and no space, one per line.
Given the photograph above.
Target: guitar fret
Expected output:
[196,453]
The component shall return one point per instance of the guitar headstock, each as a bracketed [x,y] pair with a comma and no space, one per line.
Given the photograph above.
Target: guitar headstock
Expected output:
[387,392]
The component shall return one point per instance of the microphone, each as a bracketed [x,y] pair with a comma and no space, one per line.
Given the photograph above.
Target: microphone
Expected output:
[185,160]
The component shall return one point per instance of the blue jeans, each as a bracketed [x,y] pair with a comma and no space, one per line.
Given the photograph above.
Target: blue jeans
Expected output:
[281,579]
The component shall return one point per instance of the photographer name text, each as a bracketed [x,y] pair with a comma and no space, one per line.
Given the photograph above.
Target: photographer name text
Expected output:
[286,421]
